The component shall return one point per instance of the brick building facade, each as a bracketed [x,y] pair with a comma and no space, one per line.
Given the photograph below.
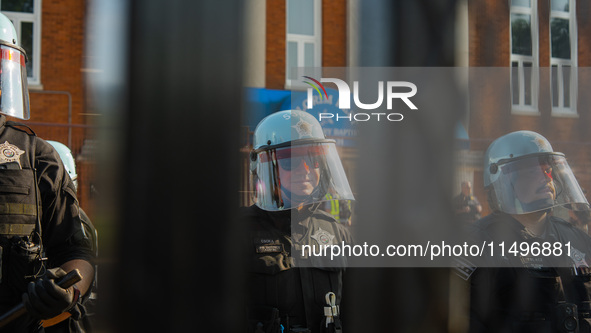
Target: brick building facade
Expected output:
[493,111]
[267,51]
[334,39]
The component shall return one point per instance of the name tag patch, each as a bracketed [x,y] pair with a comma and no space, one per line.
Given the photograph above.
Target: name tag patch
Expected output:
[273,248]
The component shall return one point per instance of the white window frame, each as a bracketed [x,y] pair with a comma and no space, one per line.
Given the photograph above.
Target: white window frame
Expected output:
[301,40]
[17,18]
[521,107]
[561,110]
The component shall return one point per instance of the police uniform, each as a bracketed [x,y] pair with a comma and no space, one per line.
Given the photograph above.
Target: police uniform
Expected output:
[284,294]
[461,201]
[31,171]
[526,293]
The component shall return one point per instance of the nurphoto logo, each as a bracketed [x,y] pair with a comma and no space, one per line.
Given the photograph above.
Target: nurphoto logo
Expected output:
[392,92]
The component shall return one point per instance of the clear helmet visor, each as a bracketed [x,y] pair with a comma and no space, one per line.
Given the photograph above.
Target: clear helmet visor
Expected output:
[288,177]
[537,183]
[14,93]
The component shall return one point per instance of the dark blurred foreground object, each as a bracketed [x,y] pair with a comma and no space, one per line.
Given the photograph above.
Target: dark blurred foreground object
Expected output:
[170,95]
[405,299]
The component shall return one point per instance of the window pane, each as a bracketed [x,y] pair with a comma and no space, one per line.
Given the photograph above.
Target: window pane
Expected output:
[300,17]
[521,34]
[527,82]
[561,5]
[554,85]
[292,59]
[17,6]
[27,44]
[560,38]
[515,82]
[566,72]
[521,3]
[309,55]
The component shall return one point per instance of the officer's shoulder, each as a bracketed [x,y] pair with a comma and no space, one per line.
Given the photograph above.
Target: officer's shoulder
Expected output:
[569,231]
[561,221]
[565,225]
[320,213]
[488,226]
[323,215]
[22,133]
[41,145]
[45,151]
[20,127]
[249,211]
[487,222]
[252,214]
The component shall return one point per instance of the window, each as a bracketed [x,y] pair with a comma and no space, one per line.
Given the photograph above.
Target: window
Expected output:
[26,17]
[524,56]
[563,57]
[304,38]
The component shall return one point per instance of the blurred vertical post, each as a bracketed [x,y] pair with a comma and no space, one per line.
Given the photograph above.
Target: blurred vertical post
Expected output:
[405,175]
[171,107]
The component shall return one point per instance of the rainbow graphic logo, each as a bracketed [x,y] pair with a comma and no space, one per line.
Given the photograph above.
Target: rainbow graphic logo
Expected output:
[316,86]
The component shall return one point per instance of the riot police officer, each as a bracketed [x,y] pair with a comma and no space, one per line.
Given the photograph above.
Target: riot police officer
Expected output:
[41,236]
[293,167]
[530,291]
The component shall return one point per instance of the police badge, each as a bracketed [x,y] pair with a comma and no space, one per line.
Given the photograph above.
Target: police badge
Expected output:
[10,155]
[304,129]
[578,257]
[323,237]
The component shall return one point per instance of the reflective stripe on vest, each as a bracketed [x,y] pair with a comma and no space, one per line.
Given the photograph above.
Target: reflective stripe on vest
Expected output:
[16,229]
[17,209]
[20,229]
[334,206]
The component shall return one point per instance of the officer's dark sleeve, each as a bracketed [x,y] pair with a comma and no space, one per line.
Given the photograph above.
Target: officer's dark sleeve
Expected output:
[482,300]
[483,284]
[63,235]
[346,234]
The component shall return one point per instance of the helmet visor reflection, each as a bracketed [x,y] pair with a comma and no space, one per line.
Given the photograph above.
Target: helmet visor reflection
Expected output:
[537,183]
[14,93]
[292,158]
[291,176]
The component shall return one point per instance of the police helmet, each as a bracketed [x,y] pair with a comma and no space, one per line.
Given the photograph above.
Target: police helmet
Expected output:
[67,158]
[14,93]
[293,164]
[523,174]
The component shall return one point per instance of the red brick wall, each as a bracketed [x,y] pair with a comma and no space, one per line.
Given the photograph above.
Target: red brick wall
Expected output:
[275,53]
[334,33]
[490,113]
[334,39]
[62,60]
[488,22]
[63,32]
[584,22]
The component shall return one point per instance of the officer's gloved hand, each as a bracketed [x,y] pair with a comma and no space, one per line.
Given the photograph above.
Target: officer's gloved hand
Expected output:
[45,299]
